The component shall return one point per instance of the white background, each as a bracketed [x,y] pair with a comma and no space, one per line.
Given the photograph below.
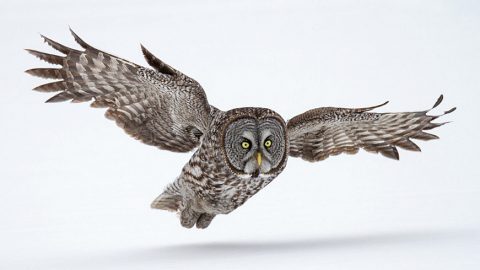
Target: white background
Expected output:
[75,190]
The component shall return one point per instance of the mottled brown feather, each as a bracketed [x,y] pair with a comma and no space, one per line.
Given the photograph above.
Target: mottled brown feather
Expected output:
[323,132]
[165,109]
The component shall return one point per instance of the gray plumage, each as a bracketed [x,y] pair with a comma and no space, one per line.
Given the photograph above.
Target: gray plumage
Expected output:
[238,152]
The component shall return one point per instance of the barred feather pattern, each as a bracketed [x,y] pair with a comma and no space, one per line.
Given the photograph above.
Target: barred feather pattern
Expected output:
[165,108]
[319,133]
[160,107]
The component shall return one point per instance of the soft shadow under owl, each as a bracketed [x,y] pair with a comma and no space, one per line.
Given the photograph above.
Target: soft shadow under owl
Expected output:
[199,252]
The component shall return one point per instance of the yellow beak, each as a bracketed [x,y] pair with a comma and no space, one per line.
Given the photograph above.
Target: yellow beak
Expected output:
[259,159]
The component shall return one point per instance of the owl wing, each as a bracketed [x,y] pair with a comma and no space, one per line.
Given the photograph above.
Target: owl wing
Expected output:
[160,107]
[323,132]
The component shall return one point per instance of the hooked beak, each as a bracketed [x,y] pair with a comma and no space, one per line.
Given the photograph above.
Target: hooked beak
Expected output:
[259,159]
[259,163]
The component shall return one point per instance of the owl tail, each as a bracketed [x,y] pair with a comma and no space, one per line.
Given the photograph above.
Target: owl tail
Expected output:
[170,199]
[167,202]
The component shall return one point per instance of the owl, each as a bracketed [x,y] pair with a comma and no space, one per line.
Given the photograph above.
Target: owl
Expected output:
[237,152]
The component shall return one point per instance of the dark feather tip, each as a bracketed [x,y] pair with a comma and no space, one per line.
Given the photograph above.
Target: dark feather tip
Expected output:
[366,109]
[79,40]
[57,46]
[451,110]
[439,100]
[156,63]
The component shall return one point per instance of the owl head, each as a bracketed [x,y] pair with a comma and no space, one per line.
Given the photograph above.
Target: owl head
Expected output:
[255,142]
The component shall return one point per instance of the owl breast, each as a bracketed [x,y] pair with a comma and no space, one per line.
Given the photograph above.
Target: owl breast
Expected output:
[237,191]
[213,188]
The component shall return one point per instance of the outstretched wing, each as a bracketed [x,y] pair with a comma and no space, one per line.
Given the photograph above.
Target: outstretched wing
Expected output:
[160,107]
[323,132]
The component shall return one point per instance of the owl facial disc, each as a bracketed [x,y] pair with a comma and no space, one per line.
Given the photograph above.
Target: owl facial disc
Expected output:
[254,147]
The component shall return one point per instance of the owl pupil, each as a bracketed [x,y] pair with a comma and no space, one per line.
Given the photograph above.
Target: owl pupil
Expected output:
[245,145]
[268,143]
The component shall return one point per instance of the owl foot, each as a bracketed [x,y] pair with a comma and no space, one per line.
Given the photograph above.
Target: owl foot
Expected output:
[188,218]
[204,220]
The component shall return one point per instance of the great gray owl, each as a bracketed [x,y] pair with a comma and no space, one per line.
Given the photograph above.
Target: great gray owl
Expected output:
[238,152]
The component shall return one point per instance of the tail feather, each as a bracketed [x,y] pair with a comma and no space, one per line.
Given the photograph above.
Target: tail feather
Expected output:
[166,201]
[171,199]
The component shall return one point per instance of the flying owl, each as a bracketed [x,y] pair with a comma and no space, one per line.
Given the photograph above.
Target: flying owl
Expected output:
[237,152]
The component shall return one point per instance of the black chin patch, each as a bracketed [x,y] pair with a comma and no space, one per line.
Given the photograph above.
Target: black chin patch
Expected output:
[256,173]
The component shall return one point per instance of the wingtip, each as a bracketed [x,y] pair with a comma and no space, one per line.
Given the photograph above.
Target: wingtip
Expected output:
[57,46]
[30,51]
[397,155]
[53,99]
[372,107]
[450,111]
[45,38]
[145,51]
[30,72]
[439,100]
[156,63]
[49,58]
[78,39]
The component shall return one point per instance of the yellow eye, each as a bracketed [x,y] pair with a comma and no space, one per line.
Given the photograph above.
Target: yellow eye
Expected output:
[268,143]
[245,145]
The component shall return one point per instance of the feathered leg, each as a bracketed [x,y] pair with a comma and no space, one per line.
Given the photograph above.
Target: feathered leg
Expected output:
[188,216]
